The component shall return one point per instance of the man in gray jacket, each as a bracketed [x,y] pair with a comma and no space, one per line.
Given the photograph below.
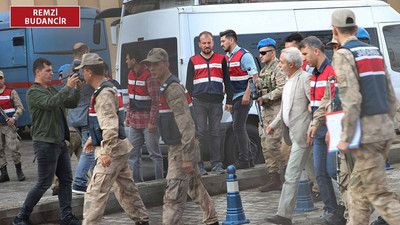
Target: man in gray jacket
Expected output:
[296,118]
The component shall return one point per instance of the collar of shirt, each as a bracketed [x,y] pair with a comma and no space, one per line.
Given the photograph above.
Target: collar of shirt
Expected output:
[351,38]
[237,48]
[142,69]
[322,67]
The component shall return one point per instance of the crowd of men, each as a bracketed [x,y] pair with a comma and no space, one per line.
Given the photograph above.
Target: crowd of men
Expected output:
[295,92]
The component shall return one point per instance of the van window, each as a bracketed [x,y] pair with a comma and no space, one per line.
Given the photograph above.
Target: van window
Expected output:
[169,44]
[392,34]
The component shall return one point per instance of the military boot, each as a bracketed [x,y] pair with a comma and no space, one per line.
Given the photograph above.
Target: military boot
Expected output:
[4,175]
[274,183]
[20,174]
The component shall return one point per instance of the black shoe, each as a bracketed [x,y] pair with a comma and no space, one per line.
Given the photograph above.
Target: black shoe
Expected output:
[251,163]
[78,189]
[71,220]
[216,223]
[20,174]
[279,220]
[55,190]
[19,221]
[379,221]
[4,175]
[241,165]
[316,196]
[142,223]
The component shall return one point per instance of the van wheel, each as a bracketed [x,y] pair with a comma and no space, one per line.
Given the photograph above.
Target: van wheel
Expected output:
[231,145]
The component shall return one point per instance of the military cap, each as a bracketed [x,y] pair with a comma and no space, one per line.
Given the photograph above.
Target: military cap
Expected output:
[362,33]
[156,55]
[266,42]
[90,59]
[343,18]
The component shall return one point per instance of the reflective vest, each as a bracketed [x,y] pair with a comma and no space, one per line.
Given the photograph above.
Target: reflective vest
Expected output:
[94,127]
[6,104]
[169,130]
[208,76]
[139,98]
[318,84]
[372,77]
[239,78]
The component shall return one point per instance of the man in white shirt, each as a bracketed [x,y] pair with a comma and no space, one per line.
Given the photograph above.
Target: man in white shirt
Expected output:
[296,119]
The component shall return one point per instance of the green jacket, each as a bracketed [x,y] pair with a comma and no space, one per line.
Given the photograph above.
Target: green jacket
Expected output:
[44,106]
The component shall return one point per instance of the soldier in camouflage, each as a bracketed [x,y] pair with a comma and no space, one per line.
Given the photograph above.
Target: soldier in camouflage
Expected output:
[271,81]
[366,94]
[107,135]
[178,132]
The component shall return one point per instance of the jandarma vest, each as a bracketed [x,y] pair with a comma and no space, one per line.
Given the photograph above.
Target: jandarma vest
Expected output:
[94,128]
[208,76]
[318,85]
[139,98]
[7,104]
[239,78]
[169,130]
[372,78]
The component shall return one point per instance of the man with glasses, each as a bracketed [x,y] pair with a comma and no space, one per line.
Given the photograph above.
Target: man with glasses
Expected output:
[271,81]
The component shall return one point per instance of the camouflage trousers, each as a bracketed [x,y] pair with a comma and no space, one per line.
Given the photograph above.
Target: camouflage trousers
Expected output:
[118,175]
[75,148]
[10,141]
[346,161]
[274,157]
[368,185]
[176,193]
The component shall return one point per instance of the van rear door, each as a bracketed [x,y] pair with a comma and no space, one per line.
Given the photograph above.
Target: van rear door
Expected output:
[390,47]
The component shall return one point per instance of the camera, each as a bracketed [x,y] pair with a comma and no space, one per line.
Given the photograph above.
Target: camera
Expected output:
[77,71]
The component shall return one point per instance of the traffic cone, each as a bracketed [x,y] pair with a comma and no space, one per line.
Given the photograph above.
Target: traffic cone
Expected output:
[234,212]
[304,199]
[387,166]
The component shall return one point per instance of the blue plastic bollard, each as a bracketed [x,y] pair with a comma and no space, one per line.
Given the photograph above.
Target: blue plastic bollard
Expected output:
[388,167]
[234,212]
[304,200]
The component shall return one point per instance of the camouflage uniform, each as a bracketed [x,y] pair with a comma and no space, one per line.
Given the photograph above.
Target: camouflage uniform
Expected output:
[180,183]
[118,174]
[272,80]
[9,136]
[368,184]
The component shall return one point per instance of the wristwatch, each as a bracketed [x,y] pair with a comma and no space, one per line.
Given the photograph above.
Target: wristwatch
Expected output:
[15,118]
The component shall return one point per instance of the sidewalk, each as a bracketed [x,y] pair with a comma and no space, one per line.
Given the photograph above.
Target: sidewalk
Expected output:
[13,193]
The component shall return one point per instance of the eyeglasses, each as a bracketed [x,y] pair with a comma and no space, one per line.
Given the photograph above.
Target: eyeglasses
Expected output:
[265,52]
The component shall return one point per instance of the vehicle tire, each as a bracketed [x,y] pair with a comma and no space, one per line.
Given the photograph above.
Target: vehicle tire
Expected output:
[231,146]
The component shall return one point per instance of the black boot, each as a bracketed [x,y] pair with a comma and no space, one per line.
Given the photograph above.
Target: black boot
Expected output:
[4,175]
[20,174]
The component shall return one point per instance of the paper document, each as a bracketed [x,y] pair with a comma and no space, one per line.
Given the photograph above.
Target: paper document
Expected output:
[334,124]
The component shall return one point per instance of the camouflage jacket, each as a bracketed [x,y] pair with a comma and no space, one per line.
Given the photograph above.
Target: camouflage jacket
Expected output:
[106,107]
[374,128]
[188,150]
[272,80]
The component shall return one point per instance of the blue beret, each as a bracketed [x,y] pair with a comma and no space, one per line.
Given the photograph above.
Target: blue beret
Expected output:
[362,33]
[266,42]
[62,68]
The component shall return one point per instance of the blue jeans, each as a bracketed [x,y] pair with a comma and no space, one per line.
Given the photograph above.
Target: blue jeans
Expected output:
[323,178]
[52,159]
[239,117]
[208,120]
[138,137]
[86,162]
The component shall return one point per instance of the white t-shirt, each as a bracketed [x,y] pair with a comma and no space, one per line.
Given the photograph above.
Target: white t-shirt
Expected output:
[287,90]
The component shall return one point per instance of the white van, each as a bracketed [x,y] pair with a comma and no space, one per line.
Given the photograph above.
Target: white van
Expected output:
[143,25]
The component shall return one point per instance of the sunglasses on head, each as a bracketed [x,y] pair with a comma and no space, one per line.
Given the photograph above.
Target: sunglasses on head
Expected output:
[265,52]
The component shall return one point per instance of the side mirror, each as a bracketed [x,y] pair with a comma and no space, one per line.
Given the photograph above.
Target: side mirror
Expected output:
[113,31]
[96,32]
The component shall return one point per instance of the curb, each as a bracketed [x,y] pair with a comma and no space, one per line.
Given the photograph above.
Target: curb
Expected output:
[151,192]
